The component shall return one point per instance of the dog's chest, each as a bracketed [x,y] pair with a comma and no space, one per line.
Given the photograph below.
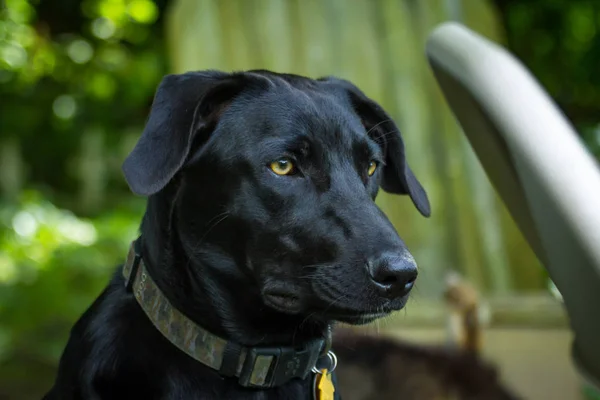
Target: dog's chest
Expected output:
[219,388]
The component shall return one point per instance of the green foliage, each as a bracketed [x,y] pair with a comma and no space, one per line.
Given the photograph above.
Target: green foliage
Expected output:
[52,267]
[93,68]
[559,41]
[590,393]
[76,82]
[591,136]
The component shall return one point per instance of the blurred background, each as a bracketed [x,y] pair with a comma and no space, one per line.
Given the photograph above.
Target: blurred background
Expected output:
[76,82]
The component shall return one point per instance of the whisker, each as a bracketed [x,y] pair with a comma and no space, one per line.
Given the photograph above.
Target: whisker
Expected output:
[331,304]
[377,124]
[386,134]
[213,223]
[216,217]
[223,218]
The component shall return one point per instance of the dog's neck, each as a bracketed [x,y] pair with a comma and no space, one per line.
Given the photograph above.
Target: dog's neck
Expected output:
[228,306]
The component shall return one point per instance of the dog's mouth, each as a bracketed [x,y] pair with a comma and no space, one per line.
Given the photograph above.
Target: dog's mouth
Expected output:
[356,309]
[282,301]
[359,313]
[292,304]
[286,298]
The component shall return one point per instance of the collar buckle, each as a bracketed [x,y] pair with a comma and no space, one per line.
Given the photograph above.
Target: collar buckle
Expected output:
[273,366]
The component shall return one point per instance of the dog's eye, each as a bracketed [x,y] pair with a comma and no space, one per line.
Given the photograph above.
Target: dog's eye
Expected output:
[283,166]
[372,167]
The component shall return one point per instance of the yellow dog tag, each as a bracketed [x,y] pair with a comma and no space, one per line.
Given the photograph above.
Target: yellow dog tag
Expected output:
[324,388]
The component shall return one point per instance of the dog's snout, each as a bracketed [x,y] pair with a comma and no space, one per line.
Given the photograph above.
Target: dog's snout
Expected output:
[393,275]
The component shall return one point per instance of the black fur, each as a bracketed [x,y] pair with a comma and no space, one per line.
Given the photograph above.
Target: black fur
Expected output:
[255,257]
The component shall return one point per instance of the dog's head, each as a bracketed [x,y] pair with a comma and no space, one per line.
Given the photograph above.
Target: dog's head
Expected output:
[276,179]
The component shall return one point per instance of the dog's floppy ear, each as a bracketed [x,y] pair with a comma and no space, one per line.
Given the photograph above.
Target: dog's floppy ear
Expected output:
[397,176]
[183,105]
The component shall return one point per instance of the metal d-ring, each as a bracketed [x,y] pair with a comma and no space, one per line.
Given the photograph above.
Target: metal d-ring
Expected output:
[333,361]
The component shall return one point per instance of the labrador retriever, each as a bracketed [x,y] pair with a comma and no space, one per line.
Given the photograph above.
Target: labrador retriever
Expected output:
[260,232]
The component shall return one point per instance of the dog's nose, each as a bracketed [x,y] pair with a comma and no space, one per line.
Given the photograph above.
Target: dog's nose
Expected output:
[393,275]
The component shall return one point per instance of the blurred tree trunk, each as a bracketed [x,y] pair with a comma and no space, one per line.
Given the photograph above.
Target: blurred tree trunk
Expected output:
[379,45]
[12,169]
[91,170]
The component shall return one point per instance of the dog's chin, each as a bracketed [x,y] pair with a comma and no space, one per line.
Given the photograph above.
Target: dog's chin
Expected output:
[360,319]
[361,315]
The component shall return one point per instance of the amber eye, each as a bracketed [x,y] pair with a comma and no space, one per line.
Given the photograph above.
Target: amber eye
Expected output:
[372,167]
[283,166]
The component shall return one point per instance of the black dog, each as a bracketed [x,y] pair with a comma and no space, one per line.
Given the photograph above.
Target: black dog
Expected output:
[261,228]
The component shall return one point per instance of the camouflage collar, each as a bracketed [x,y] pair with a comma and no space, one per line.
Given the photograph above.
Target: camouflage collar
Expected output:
[260,367]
